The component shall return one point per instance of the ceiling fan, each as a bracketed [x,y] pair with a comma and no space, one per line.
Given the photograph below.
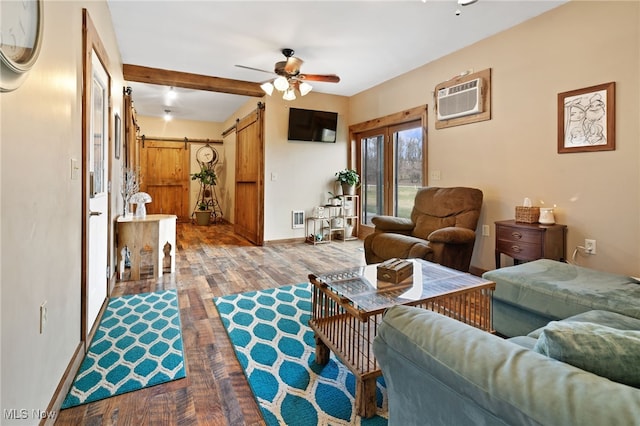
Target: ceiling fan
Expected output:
[290,78]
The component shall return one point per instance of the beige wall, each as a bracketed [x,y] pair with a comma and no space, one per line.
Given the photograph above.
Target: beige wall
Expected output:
[41,207]
[159,128]
[514,155]
[299,175]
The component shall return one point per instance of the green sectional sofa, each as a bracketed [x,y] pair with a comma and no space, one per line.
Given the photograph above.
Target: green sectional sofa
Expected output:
[529,295]
[440,371]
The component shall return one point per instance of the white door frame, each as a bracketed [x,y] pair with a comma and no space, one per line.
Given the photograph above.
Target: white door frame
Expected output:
[93,50]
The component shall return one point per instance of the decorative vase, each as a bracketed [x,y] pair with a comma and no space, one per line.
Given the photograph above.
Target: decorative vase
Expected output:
[546,216]
[348,189]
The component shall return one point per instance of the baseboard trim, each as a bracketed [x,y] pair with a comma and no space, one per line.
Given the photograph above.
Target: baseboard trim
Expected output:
[65,384]
[284,241]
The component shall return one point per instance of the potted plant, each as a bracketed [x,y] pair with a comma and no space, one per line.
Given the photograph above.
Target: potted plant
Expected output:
[348,178]
[207,178]
[203,214]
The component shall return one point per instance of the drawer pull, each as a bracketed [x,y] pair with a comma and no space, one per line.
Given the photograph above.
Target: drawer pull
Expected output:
[516,235]
[516,249]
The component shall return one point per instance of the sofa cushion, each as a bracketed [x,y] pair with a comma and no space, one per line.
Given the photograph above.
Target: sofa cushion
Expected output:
[559,290]
[524,341]
[602,350]
[606,318]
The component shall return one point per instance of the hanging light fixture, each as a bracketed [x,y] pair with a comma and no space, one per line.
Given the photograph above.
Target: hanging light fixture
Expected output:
[289,94]
[171,94]
[281,83]
[287,86]
[267,87]
[304,88]
[167,115]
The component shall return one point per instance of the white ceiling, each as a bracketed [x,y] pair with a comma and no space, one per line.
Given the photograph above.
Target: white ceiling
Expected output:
[364,42]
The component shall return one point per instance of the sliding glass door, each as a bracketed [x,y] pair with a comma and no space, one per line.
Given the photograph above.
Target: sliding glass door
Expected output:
[393,168]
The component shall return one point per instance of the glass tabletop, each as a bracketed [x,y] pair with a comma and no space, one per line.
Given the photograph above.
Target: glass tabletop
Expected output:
[361,287]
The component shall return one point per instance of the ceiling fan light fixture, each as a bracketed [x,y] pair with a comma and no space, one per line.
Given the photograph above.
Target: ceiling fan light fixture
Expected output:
[304,88]
[289,95]
[281,83]
[267,87]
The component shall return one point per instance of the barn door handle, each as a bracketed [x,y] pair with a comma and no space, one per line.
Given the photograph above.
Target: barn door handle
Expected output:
[92,213]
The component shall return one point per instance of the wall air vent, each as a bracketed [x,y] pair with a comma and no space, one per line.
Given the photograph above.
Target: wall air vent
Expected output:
[460,100]
[297,219]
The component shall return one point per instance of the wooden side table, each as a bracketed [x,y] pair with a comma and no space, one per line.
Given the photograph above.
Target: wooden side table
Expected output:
[530,241]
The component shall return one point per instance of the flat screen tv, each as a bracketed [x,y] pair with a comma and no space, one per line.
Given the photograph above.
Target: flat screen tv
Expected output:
[312,126]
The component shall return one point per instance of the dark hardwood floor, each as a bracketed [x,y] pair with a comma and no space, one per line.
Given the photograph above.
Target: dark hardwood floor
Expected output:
[211,261]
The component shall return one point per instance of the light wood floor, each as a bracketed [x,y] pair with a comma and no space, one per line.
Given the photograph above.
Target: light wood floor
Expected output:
[211,261]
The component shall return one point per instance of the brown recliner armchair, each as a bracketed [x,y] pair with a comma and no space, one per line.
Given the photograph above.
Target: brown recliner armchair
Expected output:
[442,229]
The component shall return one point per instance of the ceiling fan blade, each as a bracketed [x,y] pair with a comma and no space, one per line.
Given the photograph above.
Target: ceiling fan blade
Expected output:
[293,65]
[254,69]
[323,78]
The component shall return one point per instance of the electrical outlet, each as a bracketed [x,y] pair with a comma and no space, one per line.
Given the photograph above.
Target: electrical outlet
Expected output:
[43,316]
[590,246]
[486,231]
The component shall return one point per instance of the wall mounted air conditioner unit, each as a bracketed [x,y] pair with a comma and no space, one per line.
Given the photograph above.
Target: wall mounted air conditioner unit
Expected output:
[460,100]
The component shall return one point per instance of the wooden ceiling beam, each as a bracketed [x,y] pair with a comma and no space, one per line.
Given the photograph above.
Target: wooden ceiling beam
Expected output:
[190,81]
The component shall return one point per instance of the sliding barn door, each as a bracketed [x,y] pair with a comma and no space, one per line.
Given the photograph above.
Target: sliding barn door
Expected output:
[249,213]
[164,170]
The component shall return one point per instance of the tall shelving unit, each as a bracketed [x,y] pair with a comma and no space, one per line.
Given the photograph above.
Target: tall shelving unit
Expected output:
[350,226]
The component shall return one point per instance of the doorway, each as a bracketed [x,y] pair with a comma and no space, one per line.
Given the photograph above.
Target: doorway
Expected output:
[249,205]
[96,137]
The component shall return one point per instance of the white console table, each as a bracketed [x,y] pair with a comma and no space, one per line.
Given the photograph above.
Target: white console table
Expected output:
[155,233]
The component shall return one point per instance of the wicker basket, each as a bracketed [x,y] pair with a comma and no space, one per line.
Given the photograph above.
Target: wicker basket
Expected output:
[527,214]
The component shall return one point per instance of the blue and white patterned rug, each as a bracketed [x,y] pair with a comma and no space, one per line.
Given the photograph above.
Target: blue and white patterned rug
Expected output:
[275,346]
[138,344]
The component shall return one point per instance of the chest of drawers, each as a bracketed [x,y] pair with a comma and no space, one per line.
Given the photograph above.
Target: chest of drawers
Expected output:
[530,241]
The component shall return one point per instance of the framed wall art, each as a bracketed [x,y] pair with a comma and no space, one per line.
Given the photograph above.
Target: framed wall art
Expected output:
[586,119]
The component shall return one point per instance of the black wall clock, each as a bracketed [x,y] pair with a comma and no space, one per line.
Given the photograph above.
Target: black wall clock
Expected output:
[21,26]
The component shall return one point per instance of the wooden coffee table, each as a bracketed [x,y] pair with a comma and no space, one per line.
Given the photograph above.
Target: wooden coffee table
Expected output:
[348,306]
